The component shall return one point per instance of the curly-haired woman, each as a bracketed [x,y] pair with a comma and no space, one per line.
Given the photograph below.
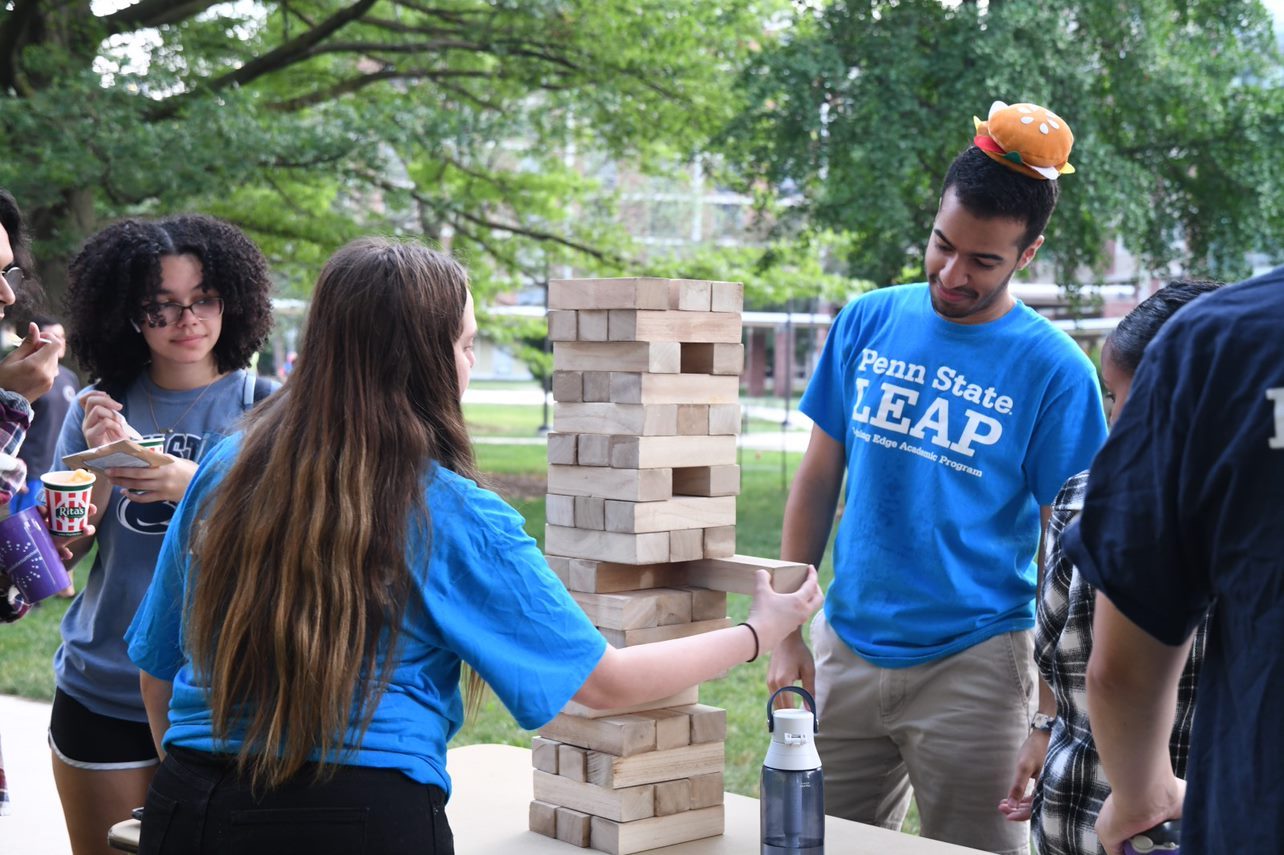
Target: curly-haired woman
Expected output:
[167,316]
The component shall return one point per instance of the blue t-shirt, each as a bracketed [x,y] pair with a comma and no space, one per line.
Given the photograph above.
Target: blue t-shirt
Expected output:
[1185,511]
[955,435]
[488,598]
[92,665]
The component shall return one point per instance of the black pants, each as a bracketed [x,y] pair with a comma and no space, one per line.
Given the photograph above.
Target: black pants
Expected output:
[198,805]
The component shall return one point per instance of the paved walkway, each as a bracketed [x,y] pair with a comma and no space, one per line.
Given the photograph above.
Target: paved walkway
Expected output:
[36,826]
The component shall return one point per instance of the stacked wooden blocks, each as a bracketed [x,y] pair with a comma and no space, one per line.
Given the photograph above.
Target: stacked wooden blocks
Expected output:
[641,513]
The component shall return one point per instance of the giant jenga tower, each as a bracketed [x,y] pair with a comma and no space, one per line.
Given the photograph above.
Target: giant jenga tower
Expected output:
[641,513]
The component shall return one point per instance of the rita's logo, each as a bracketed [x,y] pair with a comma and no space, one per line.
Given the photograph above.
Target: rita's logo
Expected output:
[70,512]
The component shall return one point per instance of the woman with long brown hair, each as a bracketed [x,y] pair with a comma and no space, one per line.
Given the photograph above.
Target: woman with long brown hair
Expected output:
[330,571]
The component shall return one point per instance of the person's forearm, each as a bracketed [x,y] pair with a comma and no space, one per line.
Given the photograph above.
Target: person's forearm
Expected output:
[156,696]
[1132,700]
[813,499]
[1047,700]
[633,675]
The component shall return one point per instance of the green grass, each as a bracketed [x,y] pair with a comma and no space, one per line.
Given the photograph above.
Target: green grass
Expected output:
[27,647]
[504,419]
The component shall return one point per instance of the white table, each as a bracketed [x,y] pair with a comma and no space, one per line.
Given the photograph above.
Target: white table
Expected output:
[488,812]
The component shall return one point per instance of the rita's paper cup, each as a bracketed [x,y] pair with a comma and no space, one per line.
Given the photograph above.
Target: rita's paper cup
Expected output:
[67,494]
[154,442]
[29,556]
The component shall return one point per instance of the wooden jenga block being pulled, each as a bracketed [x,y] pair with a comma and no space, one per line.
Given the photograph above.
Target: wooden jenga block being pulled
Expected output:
[671,452]
[706,480]
[624,838]
[678,326]
[735,574]
[618,547]
[607,770]
[637,388]
[712,358]
[658,357]
[682,512]
[631,419]
[610,294]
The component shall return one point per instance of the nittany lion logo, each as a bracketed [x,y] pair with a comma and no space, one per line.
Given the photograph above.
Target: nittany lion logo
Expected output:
[154,517]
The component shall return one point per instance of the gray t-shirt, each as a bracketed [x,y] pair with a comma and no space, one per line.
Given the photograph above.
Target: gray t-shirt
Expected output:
[92,665]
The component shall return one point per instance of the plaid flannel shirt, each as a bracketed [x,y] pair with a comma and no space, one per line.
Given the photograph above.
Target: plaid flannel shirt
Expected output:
[15,419]
[1072,787]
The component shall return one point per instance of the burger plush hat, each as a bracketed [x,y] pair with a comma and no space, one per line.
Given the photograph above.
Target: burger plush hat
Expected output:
[1027,138]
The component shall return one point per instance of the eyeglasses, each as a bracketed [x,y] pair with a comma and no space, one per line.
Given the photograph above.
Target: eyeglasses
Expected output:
[164,314]
[14,276]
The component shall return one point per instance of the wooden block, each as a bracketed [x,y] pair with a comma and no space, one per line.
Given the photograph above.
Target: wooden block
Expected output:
[690,295]
[638,388]
[706,481]
[659,357]
[607,770]
[633,485]
[625,838]
[561,567]
[685,512]
[724,419]
[726,297]
[707,604]
[686,545]
[561,325]
[633,325]
[708,724]
[593,325]
[559,510]
[672,797]
[636,609]
[544,754]
[543,818]
[649,548]
[590,512]
[621,805]
[594,449]
[706,790]
[671,452]
[573,827]
[623,735]
[561,448]
[601,577]
[693,420]
[720,542]
[682,698]
[672,729]
[568,386]
[572,762]
[597,386]
[608,293]
[713,358]
[632,419]
[651,634]
[735,574]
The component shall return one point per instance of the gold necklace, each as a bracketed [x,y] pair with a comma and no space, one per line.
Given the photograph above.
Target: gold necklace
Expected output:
[156,422]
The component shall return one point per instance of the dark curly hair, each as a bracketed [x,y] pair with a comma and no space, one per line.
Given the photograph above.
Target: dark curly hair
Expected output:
[992,191]
[30,297]
[119,269]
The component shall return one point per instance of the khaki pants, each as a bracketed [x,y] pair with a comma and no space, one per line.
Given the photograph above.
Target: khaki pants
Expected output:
[946,732]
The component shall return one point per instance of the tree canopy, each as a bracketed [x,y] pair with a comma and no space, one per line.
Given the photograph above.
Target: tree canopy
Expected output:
[858,108]
[308,122]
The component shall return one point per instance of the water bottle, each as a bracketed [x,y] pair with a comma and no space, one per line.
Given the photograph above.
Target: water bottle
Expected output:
[793,788]
[1165,838]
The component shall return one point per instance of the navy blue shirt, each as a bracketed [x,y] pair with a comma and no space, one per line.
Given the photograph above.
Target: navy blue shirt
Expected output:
[1185,512]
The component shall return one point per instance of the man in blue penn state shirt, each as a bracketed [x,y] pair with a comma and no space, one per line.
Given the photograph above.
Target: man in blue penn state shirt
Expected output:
[956,413]
[1192,518]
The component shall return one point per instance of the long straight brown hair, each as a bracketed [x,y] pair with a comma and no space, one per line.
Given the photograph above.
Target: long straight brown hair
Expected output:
[299,579]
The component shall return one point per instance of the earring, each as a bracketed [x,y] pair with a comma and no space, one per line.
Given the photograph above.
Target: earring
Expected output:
[133,323]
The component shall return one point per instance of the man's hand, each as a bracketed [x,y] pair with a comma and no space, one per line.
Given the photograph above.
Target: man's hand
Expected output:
[162,484]
[103,420]
[1034,752]
[31,367]
[1117,822]
[791,663]
[64,543]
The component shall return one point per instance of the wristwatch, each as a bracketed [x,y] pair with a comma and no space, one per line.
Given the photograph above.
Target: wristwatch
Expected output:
[1043,722]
